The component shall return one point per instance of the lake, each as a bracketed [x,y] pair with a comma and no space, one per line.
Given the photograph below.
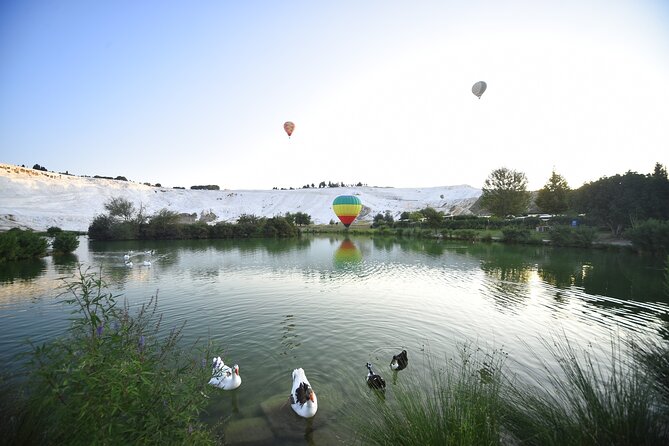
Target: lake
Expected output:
[330,305]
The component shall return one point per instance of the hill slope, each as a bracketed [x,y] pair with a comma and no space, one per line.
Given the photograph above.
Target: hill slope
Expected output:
[37,200]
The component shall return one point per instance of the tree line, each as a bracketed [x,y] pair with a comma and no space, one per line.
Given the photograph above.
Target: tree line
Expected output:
[124,221]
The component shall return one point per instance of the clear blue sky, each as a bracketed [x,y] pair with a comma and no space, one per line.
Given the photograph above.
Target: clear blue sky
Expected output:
[186,93]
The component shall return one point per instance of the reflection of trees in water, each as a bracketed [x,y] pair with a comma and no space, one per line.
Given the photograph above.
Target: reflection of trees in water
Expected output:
[383,243]
[65,263]
[432,247]
[622,276]
[22,270]
[561,268]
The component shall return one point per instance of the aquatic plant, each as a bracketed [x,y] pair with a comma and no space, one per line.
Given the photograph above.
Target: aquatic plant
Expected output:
[112,379]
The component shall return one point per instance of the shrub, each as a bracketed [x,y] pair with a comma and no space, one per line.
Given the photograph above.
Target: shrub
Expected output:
[65,243]
[112,380]
[651,236]
[101,228]
[9,246]
[53,230]
[464,234]
[515,234]
[18,244]
[581,237]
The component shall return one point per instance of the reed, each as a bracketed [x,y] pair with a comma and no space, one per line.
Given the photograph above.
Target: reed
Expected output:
[457,403]
[584,402]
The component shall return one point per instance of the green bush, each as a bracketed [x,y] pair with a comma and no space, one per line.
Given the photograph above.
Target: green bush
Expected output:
[9,246]
[581,237]
[65,243]
[112,379]
[53,230]
[650,236]
[101,228]
[516,234]
[17,244]
[464,234]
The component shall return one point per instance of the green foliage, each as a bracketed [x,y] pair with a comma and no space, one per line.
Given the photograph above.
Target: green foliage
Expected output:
[53,230]
[464,234]
[433,218]
[298,218]
[113,379]
[620,201]
[587,403]
[163,225]
[17,244]
[65,243]
[505,193]
[9,246]
[119,207]
[651,236]
[460,404]
[553,197]
[581,236]
[101,228]
[516,234]
[278,227]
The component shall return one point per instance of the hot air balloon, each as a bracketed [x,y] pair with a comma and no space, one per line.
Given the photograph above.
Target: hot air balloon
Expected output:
[288,126]
[347,208]
[479,88]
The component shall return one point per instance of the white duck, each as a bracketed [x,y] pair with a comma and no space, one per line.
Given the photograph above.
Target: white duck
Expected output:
[128,264]
[224,377]
[302,397]
[146,263]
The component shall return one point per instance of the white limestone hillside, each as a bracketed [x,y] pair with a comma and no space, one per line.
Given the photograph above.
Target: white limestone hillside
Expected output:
[37,200]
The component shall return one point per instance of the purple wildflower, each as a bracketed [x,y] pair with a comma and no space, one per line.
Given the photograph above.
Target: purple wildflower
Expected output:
[100,329]
[141,343]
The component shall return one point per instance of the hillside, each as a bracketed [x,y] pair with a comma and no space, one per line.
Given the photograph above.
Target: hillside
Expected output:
[37,200]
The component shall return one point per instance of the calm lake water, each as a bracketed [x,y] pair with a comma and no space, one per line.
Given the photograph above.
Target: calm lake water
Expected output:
[330,305]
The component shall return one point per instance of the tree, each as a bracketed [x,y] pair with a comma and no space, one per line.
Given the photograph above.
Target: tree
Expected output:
[433,218]
[553,197]
[622,201]
[302,218]
[505,192]
[120,207]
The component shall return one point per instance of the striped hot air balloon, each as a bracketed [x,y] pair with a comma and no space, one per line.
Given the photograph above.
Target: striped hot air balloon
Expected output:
[347,208]
[288,126]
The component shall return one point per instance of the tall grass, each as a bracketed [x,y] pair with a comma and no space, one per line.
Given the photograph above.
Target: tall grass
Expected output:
[475,401]
[112,379]
[584,402]
[457,404]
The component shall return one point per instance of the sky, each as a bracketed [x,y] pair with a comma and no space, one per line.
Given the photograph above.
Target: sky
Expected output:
[193,93]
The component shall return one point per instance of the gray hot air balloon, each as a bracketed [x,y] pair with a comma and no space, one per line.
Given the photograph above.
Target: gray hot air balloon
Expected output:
[479,88]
